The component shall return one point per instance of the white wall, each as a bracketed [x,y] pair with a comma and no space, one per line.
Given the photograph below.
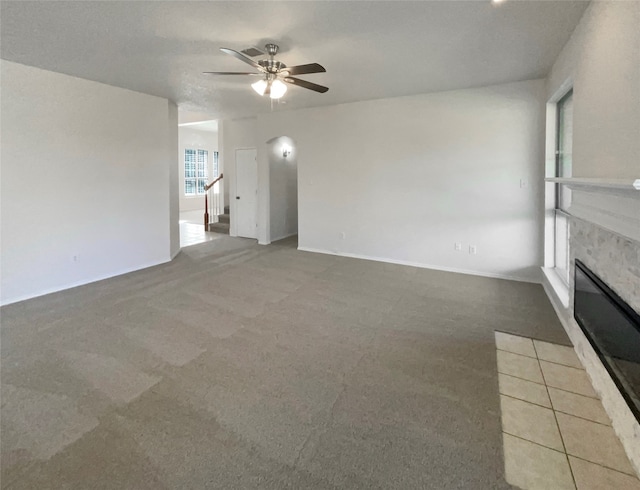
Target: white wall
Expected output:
[602,63]
[174,181]
[86,172]
[283,185]
[189,137]
[406,178]
[235,134]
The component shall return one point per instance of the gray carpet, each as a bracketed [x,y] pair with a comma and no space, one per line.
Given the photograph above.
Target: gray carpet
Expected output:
[239,366]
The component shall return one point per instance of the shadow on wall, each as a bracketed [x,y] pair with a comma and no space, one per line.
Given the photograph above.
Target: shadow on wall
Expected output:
[283,185]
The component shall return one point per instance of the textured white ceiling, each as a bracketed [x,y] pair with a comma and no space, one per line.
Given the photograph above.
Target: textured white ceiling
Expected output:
[370,49]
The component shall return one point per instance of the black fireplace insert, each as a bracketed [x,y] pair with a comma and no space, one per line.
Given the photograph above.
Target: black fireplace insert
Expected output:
[613,329]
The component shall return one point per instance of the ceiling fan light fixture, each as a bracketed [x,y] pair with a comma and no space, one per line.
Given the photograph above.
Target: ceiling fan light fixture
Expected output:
[260,86]
[278,89]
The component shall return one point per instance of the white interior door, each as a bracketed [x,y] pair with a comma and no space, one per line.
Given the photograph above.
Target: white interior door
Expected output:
[246,195]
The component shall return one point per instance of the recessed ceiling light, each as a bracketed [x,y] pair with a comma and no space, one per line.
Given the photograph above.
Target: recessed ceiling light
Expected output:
[496,2]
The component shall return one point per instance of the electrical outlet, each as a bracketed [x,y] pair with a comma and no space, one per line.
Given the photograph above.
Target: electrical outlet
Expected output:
[523,184]
[457,246]
[343,235]
[472,249]
[75,258]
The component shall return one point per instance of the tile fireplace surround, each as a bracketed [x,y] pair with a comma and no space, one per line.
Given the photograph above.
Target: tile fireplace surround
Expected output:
[604,233]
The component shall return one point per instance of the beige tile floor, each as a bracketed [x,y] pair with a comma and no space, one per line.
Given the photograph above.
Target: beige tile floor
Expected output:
[192,229]
[556,434]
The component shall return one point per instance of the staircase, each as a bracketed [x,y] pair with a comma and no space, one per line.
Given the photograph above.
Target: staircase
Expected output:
[222,226]
[212,202]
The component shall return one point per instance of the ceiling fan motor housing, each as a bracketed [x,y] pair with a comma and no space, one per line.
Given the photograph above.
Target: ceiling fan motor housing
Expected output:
[272,66]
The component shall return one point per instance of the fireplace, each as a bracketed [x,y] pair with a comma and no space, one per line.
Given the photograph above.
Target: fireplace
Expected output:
[613,330]
[603,325]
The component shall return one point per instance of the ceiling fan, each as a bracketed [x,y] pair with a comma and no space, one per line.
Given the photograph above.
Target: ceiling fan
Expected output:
[275,74]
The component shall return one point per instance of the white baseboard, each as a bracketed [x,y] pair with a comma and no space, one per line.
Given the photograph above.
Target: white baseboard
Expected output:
[421,265]
[283,237]
[83,282]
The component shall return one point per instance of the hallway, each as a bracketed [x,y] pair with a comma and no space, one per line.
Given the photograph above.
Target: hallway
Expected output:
[192,229]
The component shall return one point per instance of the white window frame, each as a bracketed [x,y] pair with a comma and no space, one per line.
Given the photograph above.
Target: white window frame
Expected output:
[562,195]
[198,174]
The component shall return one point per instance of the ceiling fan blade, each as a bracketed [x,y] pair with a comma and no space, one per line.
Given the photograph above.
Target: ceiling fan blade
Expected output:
[231,73]
[304,69]
[304,84]
[241,57]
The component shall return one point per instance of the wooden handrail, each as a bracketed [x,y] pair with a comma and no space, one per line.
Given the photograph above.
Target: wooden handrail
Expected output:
[209,186]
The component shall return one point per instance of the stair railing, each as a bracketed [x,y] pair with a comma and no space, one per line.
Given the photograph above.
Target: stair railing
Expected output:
[211,206]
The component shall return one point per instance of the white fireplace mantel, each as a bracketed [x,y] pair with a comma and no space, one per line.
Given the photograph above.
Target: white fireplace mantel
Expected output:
[602,184]
[613,204]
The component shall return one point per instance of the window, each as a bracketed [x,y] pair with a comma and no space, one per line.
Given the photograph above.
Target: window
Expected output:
[195,171]
[564,149]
